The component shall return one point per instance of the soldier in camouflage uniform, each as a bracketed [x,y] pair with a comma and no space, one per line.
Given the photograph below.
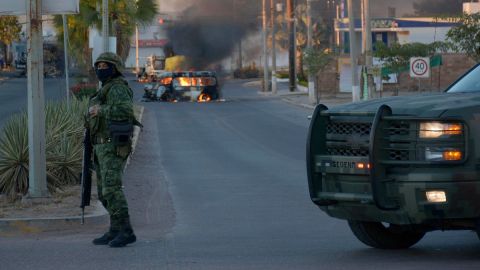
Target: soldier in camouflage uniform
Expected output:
[110,106]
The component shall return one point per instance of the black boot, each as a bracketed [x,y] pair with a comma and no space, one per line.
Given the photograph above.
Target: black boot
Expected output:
[124,237]
[106,238]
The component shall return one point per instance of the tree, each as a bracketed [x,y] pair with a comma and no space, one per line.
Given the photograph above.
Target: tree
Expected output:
[465,37]
[320,36]
[124,16]
[123,13]
[438,7]
[316,60]
[9,32]
[397,57]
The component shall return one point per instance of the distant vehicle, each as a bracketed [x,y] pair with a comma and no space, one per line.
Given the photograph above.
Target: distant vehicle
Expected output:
[21,62]
[176,63]
[52,61]
[154,67]
[396,168]
[200,86]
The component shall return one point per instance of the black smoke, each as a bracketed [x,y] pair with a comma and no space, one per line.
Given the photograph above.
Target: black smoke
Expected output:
[438,7]
[209,30]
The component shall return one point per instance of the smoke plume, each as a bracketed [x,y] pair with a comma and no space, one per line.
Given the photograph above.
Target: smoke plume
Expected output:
[209,30]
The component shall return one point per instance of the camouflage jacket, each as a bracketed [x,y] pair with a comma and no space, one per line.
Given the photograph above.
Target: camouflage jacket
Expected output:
[116,103]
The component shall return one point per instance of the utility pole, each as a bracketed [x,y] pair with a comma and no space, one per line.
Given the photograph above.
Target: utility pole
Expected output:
[353,53]
[265,52]
[274,49]
[65,53]
[137,66]
[37,175]
[312,95]
[235,19]
[291,45]
[105,24]
[368,48]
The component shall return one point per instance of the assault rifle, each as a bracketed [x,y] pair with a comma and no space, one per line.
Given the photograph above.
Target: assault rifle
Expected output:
[86,182]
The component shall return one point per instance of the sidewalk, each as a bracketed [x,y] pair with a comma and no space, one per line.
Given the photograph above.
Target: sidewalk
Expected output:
[300,97]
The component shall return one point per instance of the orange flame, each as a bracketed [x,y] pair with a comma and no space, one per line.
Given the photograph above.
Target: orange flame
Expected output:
[204,98]
[166,81]
[195,81]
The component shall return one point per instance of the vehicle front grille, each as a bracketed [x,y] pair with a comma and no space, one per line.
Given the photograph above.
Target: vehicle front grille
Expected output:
[347,152]
[399,128]
[346,138]
[400,155]
[345,128]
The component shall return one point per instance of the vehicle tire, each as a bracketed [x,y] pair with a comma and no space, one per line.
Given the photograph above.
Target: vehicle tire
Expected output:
[376,235]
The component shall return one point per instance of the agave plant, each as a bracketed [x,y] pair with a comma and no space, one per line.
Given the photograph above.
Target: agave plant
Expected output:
[14,157]
[63,140]
[64,125]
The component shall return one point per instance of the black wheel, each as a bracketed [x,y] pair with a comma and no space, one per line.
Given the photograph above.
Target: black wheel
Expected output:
[377,235]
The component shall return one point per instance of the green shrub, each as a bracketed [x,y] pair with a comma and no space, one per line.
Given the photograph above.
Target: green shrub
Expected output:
[14,156]
[64,131]
[64,140]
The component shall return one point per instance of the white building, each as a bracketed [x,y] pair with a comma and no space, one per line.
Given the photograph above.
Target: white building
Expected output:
[151,40]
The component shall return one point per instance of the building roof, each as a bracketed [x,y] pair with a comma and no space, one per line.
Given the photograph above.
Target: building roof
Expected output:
[395,24]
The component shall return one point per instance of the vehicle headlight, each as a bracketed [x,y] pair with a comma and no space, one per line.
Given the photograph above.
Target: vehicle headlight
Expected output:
[438,129]
[443,154]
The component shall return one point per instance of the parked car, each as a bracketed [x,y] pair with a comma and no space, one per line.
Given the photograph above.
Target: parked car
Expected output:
[396,168]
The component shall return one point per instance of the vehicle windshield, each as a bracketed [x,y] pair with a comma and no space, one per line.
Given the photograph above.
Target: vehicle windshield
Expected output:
[469,83]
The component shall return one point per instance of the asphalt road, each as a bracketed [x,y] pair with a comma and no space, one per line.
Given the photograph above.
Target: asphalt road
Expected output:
[13,95]
[223,186]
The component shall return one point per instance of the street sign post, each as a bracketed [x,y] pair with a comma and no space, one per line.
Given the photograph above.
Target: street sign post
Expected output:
[420,67]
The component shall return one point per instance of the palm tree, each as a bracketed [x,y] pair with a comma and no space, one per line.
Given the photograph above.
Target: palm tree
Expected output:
[123,13]
[123,16]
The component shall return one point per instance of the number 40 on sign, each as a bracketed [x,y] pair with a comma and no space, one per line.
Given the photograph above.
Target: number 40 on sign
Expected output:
[420,67]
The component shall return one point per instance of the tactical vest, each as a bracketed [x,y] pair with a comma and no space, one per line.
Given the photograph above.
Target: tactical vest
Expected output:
[98,125]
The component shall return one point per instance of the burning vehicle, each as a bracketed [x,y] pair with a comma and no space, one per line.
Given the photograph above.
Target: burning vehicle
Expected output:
[396,168]
[196,86]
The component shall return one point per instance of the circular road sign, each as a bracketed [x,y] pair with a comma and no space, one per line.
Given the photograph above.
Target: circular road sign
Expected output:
[420,67]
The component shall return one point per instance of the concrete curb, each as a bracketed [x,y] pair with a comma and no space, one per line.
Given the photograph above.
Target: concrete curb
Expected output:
[45,224]
[10,226]
[307,106]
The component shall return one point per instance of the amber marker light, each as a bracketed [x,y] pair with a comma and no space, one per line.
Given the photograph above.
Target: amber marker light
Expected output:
[452,155]
[454,129]
[362,166]
[436,196]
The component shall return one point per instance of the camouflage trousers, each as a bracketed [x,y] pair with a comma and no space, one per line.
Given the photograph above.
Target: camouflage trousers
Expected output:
[109,169]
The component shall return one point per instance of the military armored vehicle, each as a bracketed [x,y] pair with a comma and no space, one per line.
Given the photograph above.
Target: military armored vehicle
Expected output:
[396,168]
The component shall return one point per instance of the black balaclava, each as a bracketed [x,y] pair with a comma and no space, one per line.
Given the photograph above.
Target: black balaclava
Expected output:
[105,74]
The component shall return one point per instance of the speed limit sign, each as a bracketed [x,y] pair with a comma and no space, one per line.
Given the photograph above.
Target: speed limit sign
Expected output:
[420,67]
